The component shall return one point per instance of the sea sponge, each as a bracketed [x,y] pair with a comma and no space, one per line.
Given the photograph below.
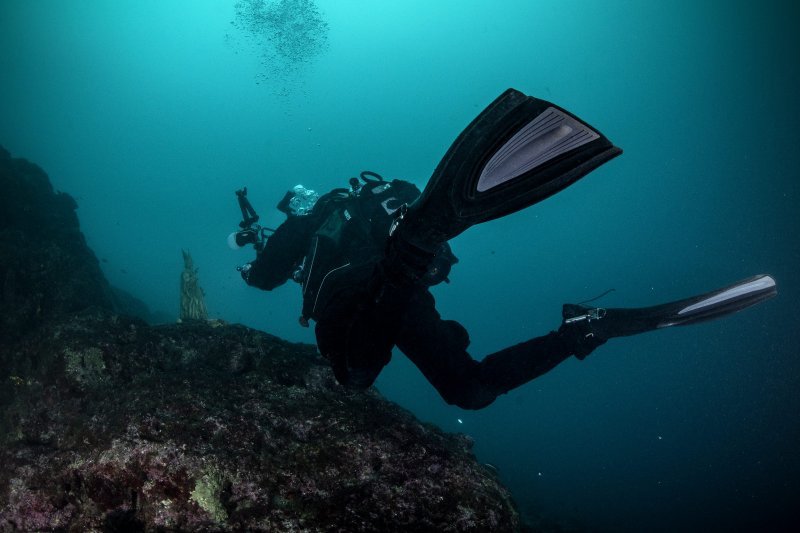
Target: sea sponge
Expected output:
[207,492]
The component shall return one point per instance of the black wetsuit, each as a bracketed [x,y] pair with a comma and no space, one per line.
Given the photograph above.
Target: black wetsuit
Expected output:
[337,263]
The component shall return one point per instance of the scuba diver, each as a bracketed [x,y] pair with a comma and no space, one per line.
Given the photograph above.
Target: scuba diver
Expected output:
[366,256]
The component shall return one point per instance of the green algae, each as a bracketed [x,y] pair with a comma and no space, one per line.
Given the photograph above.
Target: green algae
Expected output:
[207,492]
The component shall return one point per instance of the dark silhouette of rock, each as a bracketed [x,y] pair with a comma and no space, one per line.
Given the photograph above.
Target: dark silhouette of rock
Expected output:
[46,269]
[110,424]
[127,304]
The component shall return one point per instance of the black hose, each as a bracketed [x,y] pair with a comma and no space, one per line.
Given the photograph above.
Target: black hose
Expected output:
[373,176]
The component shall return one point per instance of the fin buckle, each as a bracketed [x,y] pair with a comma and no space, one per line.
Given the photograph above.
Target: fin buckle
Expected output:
[591,314]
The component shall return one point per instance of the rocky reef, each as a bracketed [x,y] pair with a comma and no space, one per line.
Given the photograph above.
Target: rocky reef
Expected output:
[108,423]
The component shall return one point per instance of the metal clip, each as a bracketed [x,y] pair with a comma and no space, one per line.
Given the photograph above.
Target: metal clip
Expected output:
[399,215]
[591,314]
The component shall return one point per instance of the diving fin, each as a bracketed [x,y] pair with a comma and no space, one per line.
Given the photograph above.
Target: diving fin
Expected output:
[609,323]
[517,152]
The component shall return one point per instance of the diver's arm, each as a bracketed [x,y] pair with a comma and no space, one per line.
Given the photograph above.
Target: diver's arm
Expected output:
[283,251]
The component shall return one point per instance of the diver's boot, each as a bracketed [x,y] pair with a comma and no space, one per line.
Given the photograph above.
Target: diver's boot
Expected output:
[588,327]
[579,337]
[404,262]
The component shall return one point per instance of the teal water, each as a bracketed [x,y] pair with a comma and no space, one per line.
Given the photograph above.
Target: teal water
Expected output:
[152,113]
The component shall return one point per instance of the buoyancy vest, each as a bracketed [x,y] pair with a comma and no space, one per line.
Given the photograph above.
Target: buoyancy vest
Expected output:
[350,239]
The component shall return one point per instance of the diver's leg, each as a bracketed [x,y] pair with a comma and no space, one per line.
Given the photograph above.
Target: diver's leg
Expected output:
[439,349]
[357,344]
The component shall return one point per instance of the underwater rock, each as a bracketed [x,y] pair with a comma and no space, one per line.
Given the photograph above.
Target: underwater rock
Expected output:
[46,268]
[110,424]
[127,304]
[195,427]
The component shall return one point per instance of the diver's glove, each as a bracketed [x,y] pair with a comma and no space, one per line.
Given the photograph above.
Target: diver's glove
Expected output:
[244,271]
